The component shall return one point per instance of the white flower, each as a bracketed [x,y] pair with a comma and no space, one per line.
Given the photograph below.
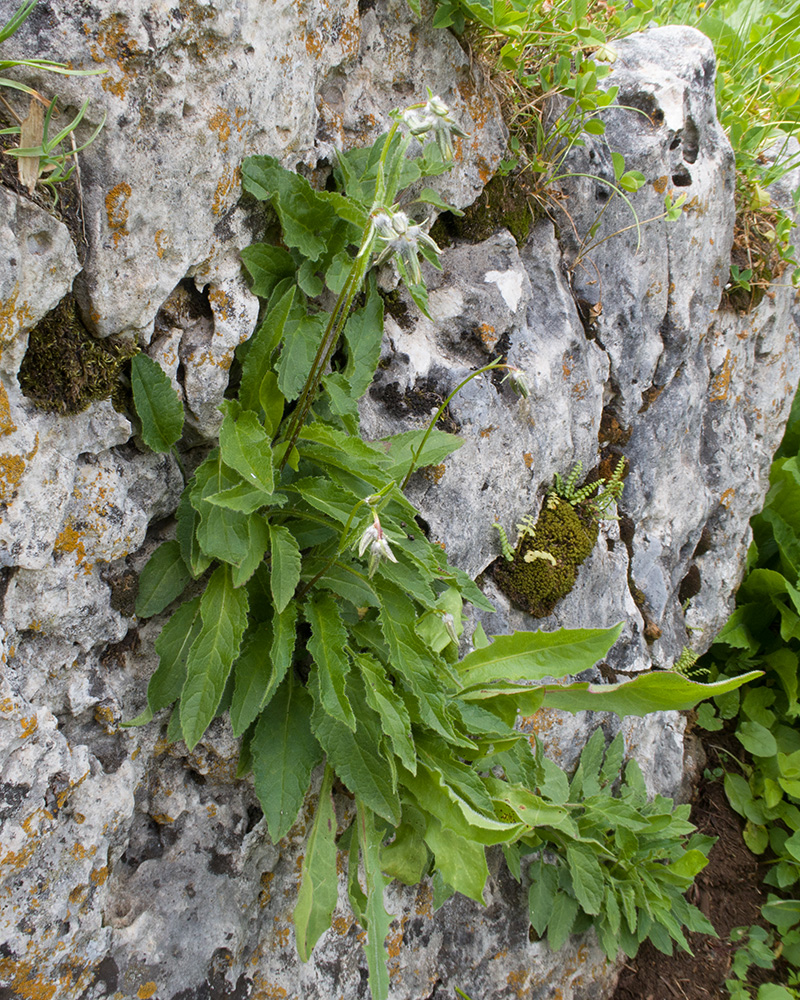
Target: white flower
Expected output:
[374,540]
[519,381]
[402,237]
[435,117]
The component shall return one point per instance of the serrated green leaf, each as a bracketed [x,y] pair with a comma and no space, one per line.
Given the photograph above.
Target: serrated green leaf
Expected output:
[588,882]
[344,581]
[542,894]
[612,765]
[259,385]
[531,809]
[245,499]
[326,645]
[188,523]
[565,909]
[363,333]
[157,404]
[319,882]
[285,566]
[662,691]
[267,266]
[326,496]
[164,578]
[252,672]
[224,613]
[258,543]
[245,447]
[534,655]
[377,919]
[390,708]
[462,862]
[406,856]
[285,753]
[172,646]
[402,448]
[221,533]
[299,348]
[356,756]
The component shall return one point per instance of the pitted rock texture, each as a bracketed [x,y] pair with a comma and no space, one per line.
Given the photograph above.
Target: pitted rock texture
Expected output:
[131,868]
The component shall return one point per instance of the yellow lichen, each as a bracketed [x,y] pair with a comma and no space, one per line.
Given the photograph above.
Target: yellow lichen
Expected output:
[7,425]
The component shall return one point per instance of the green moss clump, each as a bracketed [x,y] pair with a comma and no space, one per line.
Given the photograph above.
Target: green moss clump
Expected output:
[65,368]
[505,202]
[569,535]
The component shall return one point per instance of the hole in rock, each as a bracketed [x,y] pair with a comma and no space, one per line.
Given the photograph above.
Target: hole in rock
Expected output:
[682,178]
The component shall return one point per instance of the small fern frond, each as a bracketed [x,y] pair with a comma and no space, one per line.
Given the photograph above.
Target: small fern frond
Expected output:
[685,661]
[526,527]
[508,552]
[533,554]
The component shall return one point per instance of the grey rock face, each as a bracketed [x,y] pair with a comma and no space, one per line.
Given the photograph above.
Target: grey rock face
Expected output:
[131,868]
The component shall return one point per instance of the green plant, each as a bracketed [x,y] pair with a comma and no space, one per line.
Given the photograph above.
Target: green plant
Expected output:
[316,657]
[52,162]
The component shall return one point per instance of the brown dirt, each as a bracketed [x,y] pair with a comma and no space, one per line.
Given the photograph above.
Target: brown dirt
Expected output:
[729,891]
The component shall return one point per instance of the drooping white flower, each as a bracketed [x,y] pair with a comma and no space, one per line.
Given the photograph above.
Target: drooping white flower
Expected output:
[374,539]
[401,236]
[435,117]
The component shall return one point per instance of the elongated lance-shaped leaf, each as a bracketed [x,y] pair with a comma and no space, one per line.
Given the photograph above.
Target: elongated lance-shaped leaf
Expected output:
[252,672]
[172,646]
[326,645]
[378,920]
[221,533]
[258,379]
[461,862]
[319,879]
[364,333]
[162,580]
[385,701]
[531,656]
[285,753]
[157,404]
[285,565]
[258,543]
[299,349]
[245,447]
[188,523]
[224,612]
[663,691]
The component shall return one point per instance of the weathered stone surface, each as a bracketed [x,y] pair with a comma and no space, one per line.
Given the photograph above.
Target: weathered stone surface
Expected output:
[132,868]
[192,89]
[39,263]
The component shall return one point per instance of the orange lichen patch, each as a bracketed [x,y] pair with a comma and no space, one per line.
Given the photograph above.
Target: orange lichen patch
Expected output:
[488,430]
[28,726]
[518,981]
[7,425]
[161,242]
[314,44]
[98,875]
[566,366]
[227,183]
[341,925]
[117,210]
[23,981]
[488,335]
[163,819]
[211,810]
[13,317]
[581,389]
[660,184]
[727,497]
[527,458]
[79,852]
[78,894]
[12,468]
[220,124]
[267,991]
[721,383]
[434,473]
[394,940]
[79,817]
[146,990]
[220,303]
[280,935]
[423,904]
[115,45]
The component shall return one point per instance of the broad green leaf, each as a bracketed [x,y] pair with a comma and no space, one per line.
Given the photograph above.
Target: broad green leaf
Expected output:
[244,446]
[738,791]
[285,753]
[252,672]
[542,894]
[403,447]
[299,348]
[346,581]
[285,566]
[245,499]
[326,496]
[462,862]
[363,333]
[224,613]
[258,543]
[356,756]
[305,216]
[406,857]
[259,385]
[172,646]
[319,882]
[534,655]
[221,533]
[588,882]
[284,636]
[662,691]
[157,404]
[385,701]
[267,266]
[531,809]
[377,919]
[326,645]
[162,580]
[756,739]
